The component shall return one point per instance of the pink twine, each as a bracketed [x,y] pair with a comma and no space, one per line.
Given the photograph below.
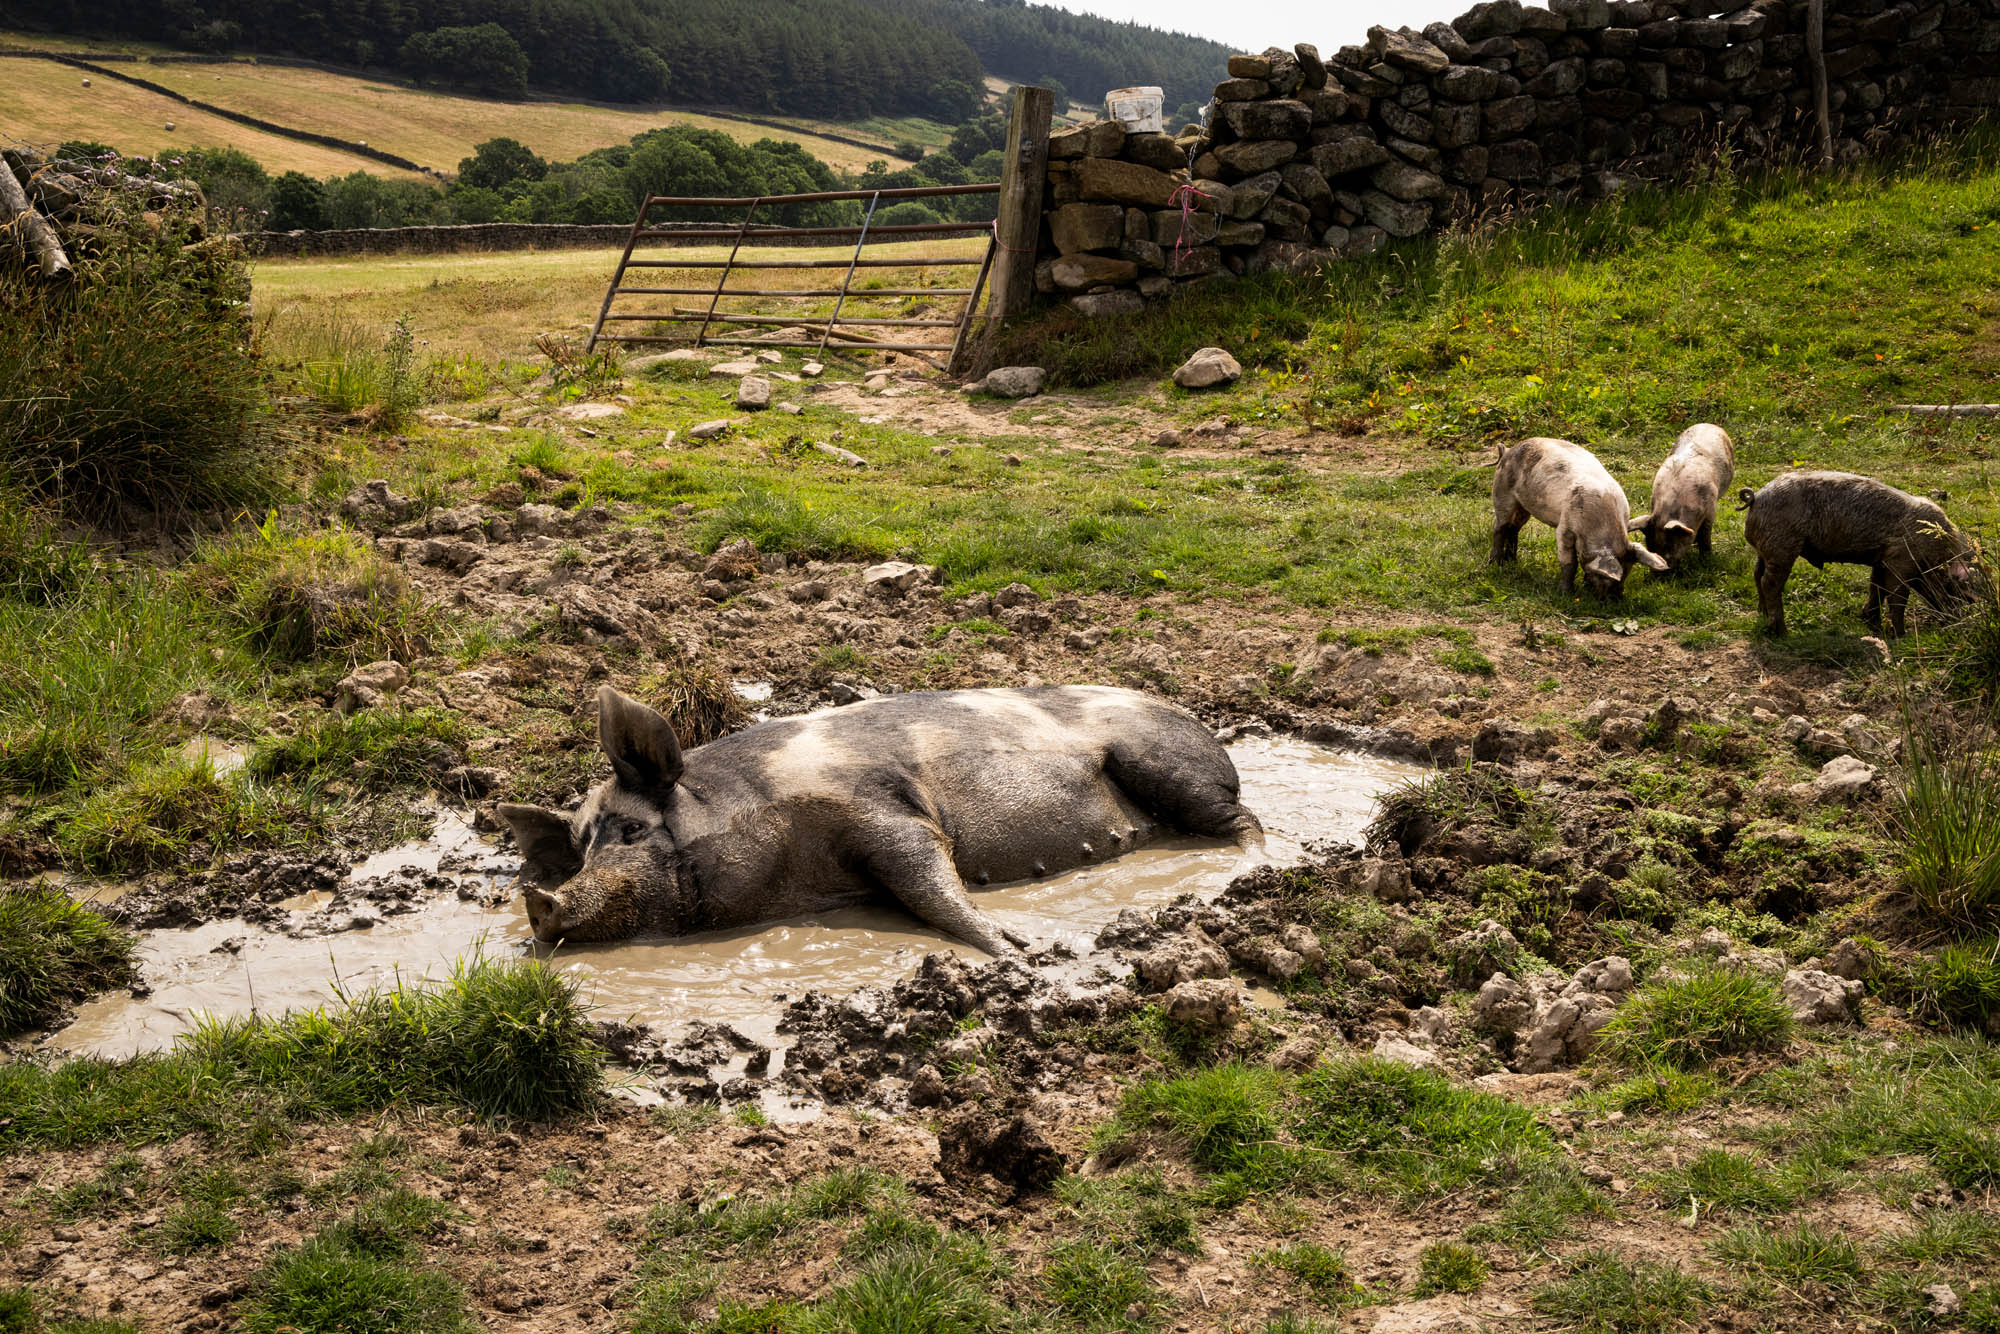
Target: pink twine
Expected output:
[1183,195]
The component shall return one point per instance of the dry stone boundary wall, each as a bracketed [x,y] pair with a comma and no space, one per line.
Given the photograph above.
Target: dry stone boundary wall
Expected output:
[1308,161]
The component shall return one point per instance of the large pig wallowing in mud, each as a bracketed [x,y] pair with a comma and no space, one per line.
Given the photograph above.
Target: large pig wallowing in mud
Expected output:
[909,797]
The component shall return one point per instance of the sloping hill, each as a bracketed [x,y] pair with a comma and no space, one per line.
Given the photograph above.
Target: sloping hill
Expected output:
[840,59]
[45,100]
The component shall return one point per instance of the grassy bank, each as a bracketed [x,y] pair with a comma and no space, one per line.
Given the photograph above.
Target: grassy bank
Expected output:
[502,1040]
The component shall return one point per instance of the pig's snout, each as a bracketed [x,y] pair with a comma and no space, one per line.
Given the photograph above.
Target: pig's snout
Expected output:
[545,914]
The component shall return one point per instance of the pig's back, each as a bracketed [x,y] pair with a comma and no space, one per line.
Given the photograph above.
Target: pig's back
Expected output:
[1016,778]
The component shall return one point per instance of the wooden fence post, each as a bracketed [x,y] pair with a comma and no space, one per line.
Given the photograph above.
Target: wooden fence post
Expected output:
[1020,215]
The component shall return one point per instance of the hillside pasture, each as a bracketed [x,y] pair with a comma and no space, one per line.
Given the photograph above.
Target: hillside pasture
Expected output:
[42,101]
[47,100]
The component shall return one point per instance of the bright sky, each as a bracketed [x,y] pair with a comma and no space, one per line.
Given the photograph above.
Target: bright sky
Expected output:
[1252,25]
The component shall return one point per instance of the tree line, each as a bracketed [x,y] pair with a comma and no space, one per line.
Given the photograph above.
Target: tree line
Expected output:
[832,59]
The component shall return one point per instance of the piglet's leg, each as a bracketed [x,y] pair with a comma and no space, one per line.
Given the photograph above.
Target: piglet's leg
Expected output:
[911,860]
[1879,582]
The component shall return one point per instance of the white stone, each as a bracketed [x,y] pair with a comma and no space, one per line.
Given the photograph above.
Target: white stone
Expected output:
[1011,382]
[894,576]
[734,368]
[1843,778]
[1816,997]
[1404,1053]
[709,430]
[587,412]
[1207,369]
[753,393]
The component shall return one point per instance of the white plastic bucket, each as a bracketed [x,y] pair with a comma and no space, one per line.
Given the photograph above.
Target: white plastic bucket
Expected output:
[1139,110]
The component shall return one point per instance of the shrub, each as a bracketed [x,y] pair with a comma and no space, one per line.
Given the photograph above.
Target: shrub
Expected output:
[54,951]
[1224,1116]
[1945,817]
[140,386]
[1095,1284]
[380,750]
[1321,1272]
[1798,1254]
[1686,1021]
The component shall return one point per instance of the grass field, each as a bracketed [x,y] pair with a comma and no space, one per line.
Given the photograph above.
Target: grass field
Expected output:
[44,100]
[491,306]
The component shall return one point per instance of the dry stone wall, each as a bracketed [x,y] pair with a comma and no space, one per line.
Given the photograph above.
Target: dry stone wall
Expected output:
[1307,161]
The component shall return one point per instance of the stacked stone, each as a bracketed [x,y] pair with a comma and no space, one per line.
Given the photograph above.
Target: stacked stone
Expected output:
[1307,161]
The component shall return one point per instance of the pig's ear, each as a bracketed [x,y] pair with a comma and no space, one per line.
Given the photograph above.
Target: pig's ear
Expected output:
[644,752]
[1673,525]
[1638,523]
[1656,564]
[1608,566]
[546,845]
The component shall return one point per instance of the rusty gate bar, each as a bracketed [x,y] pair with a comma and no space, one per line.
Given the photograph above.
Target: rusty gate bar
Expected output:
[846,282]
[747,213]
[715,323]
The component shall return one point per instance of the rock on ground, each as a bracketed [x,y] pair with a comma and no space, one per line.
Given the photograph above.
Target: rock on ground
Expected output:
[753,393]
[1404,1053]
[1817,998]
[1208,368]
[1207,1005]
[1183,959]
[365,687]
[1011,382]
[1843,778]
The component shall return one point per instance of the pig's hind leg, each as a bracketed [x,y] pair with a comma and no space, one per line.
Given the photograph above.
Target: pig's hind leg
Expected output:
[1193,790]
[1880,582]
[911,860]
[1772,573]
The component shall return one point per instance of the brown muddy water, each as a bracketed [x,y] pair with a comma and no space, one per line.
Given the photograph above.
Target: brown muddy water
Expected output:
[344,941]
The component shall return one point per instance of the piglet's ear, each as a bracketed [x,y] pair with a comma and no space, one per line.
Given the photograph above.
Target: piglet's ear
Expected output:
[1656,564]
[546,847]
[642,747]
[1676,526]
[1608,567]
[1638,523]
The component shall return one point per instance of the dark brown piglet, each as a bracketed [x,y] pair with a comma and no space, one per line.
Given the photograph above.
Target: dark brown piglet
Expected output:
[1838,517]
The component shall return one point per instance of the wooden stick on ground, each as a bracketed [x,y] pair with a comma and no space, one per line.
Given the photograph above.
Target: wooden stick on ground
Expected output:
[1948,409]
[17,212]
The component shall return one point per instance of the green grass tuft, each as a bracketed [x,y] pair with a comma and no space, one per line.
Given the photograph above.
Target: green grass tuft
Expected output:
[54,951]
[1450,1266]
[1322,1273]
[1684,1022]
[300,595]
[1600,1293]
[1097,1285]
[1945,819]
[331,1286]
[1801,1253]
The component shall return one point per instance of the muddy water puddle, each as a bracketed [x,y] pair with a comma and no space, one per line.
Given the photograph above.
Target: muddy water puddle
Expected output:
[1304,793]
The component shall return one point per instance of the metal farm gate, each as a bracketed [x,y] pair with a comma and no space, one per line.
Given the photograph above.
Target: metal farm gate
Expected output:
[940,333]
[1007,258]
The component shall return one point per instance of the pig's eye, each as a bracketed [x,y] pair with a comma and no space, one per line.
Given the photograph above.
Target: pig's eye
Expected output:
[632,831]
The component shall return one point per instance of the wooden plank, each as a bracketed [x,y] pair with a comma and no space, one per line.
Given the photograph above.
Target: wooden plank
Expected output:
[1018,225]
